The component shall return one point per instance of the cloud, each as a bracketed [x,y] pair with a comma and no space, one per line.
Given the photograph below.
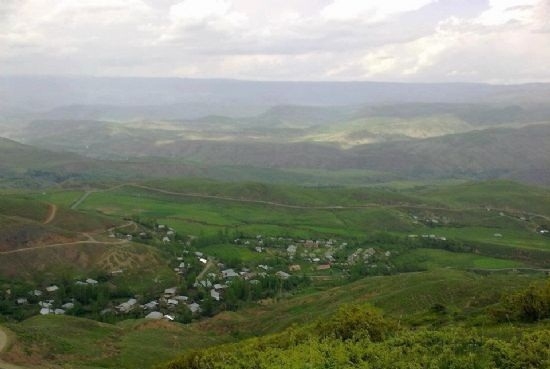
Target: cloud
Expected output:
[370,11]
[418,40]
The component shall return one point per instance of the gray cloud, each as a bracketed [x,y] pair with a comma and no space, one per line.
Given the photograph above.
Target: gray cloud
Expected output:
[445,40]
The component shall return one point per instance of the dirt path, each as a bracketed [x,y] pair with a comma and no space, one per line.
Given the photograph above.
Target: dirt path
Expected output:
[77,203]
[90,241]
[206,267]
[4,340]
[52,211]
[322,207]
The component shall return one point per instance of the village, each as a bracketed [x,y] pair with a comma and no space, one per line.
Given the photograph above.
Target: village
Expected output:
[205,284]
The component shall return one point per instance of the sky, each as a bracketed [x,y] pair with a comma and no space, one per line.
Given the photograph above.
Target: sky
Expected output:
[494,41]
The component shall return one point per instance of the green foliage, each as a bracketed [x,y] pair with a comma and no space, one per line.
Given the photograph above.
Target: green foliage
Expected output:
[359,337]
[355,322]
[530,304]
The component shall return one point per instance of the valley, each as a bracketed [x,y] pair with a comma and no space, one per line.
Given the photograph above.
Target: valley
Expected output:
[191,233]
[226,261]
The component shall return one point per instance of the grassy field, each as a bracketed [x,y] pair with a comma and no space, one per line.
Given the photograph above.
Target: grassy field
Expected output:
[461,217]
[430,259]
[229,252]
[457,213]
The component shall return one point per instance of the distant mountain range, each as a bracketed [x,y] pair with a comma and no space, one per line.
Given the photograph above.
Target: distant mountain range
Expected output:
[275,131]
[155,98]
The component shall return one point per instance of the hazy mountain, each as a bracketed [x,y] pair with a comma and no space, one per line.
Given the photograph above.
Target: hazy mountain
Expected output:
[521,153]
[130,98]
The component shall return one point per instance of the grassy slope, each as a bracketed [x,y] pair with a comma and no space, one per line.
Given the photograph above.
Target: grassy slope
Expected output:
[81,343]
[462,206]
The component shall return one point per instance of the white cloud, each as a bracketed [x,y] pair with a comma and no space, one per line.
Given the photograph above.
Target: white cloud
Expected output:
[504,11]
[196,11]
[420,40]
[369,10]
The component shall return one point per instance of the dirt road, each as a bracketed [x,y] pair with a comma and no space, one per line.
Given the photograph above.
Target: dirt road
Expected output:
[52,211]
[4,340]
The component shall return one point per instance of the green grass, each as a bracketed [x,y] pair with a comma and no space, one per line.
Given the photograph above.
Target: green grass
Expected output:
[430,259]
[61,197]
[232,252]
[85,343]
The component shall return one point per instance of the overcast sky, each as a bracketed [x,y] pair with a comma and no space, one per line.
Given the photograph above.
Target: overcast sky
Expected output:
[498,41]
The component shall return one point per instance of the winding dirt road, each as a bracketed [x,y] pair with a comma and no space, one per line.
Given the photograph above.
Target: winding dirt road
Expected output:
[52,212]
[4,340]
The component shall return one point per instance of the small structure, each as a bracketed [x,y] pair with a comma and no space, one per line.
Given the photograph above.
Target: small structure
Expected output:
[52,288]
[229,273]
[156,315]
[125,307]
[151,305]
[215,295]
[68,306]
[169,292]
[282,275]
[194,307]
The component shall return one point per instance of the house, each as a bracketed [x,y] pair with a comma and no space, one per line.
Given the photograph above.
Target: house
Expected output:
[156,315]
[45,304]
[229,273]
[172,302]
[219,286]
[52,288]
[215,295]
[151,305]
[59,312]
[36,293]
[22,301]
[323,267]
[205,283]
[169,292]
[282,275]
[165,239]
[291,249]
[194,307]
[181,298]
[45,311]
[169,317]
[203,260]
[91,281]
[68,306]
[127,306]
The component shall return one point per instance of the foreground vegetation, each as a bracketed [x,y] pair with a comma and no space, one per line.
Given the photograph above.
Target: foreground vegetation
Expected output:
[361,337]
